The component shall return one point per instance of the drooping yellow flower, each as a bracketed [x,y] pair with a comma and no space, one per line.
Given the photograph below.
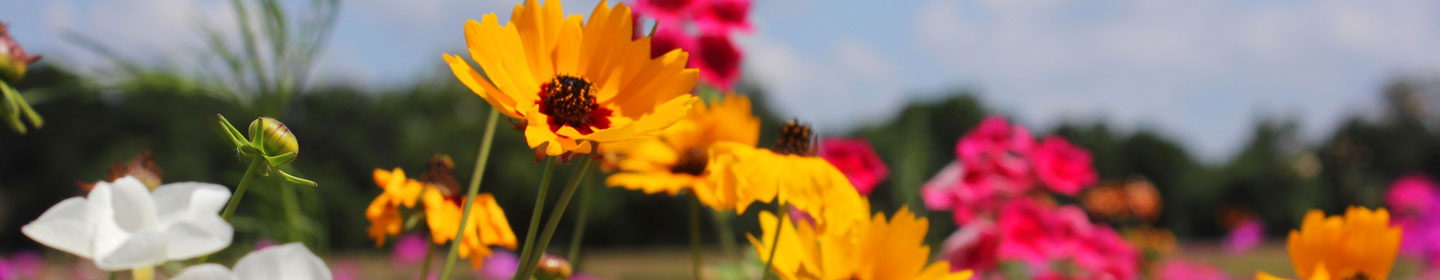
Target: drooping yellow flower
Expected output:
[574,83]
[1360,245]
[875,249]
[680,158]
[440,202]
[791,174]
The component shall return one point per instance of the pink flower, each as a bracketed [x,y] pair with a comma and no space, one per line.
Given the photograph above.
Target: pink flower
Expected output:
[968,193]
[1025,234]
[972,247]
[1412,194]
[1064,168]
[1245,236]
[410,249]
[500,265]
[857,159]
[666,11]
[1184,270]
[994,136]
[668,38]
[1040,236]
[724,16]
[718,60]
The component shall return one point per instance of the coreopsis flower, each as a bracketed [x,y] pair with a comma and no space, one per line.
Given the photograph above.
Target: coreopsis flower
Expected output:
[1360,245]
[857,160]
[439,197]
[723,16]
[791,174]
[13,59]
[573,83]
[874,249]
[1062,167]
[289,261]
[123,225]
[679,160]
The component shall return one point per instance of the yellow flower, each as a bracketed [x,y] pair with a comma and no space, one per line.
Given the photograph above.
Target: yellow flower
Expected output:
[442,207]
[680,158]
[573,84]
[1360,245]
[875,249]
[791,174]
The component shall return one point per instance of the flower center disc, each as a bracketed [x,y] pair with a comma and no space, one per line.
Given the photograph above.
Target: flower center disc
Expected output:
[692,161]
[794,139]
[568,101]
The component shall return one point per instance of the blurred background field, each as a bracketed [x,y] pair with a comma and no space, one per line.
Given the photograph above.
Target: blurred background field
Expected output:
[98,114]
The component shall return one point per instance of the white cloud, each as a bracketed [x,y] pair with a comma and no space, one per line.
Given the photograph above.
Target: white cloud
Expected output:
[832,89]
[1200,69]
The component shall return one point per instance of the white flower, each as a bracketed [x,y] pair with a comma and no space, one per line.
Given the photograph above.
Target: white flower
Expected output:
[287,262]
[122,225]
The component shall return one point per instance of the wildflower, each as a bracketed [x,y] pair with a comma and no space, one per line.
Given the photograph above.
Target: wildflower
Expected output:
[1041,236]
[973,246]
[679,159]
[718,59]
[724,16]
[122,225]
[873,249]
[573,84]
[1064,168]
[1245,236]
[1359,245]
[667,11]
[1413,199]
[13,59]
[410,249]
[791,174]
[437,194]
[289,261]
[1123,201]
[857,160]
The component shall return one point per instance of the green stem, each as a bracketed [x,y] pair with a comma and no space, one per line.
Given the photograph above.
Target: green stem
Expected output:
[726,233]
[695,238]
[292,214]
[255,165]
[480,160]
[575,240]
[425,266]
[554,221]
[775,243]
[535,215]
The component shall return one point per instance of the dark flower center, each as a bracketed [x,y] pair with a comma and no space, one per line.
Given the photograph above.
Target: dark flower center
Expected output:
[441,176]
[568,101]
[692,161]
[795,139]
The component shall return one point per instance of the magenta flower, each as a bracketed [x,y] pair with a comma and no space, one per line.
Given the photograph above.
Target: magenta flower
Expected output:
[1063,167]
[1179,269]
[724,16]
[857,159]
[500,265]
[668,38]
[1041,236]
[666,11]
[994,136]
[972,247]
[1245,236]
[718,60]
[1412,194]
[410,249]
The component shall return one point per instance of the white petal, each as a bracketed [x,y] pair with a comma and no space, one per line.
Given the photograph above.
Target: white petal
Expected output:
[179,199]
[196,236]
[131,207]
[207,271]
[144,248]
[65,227]
[290,262]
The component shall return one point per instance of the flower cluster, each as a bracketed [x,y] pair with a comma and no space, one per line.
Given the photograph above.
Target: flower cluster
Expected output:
[436,199]
[1413,199]
[703,28]
[999,161]
[1044,239]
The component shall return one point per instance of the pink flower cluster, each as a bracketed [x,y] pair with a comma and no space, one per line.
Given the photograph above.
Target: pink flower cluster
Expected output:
[1412,201]
[1044,238]
[702,28]
[999,161]
[857,159]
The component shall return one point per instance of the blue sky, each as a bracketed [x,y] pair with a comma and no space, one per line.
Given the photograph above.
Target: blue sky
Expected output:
[1200,71]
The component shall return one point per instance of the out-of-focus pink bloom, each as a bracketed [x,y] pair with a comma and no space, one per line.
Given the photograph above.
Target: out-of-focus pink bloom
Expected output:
[1245,236]
[23,265]
[1412,194]
[346,270]
[410,249]
[500,265]
[1107,256]
[668,38]
[1184,270]
[994,135]
[965,193]
[1024,233]
[723,15]
[1063,167]
[800,215]
[263,243]
[857,159]
[667,11]
[718,60]
[1040,236]
[972,247]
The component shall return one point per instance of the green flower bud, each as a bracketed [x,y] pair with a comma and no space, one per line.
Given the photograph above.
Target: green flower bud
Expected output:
[274,138]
